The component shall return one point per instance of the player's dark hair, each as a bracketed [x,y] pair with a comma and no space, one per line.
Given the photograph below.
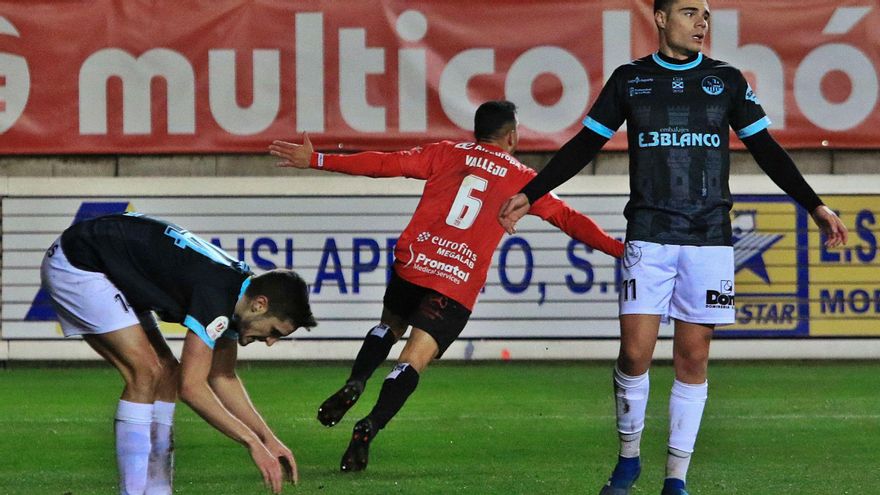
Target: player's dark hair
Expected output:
[288,296]
[494,119]
[663,5]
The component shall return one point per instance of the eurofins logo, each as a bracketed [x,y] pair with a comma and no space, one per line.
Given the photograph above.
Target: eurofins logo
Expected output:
[41,308]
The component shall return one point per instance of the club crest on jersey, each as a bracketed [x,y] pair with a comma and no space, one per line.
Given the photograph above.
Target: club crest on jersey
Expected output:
[216,328]
[713,85]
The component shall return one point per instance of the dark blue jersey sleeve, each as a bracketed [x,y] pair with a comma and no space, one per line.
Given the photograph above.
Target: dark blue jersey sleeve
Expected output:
[747,117]
[608,112]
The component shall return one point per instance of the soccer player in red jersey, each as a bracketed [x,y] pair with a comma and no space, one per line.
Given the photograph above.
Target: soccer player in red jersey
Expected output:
[441,258]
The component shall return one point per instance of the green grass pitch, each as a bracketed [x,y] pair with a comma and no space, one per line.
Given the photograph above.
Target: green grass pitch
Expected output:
[476,428]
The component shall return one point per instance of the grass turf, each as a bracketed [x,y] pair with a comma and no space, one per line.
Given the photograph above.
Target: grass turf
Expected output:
[477,428]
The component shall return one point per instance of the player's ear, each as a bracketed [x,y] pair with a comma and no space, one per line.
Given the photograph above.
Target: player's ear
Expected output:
[259,304]
[660,19]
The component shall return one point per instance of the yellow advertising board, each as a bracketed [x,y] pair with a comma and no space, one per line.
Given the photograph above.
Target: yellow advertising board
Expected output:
[788,284]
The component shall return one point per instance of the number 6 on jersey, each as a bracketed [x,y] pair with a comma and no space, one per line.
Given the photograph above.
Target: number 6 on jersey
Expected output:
[466,207]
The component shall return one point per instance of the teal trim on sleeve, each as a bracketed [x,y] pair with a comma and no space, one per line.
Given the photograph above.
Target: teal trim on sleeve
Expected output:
[753,129]
[199,329]
[598,128]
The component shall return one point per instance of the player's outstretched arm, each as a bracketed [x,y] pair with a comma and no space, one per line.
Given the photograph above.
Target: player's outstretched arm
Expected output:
[779,166]
[225,382]
[292,154]
[577,225]
[565,164]
[195,365]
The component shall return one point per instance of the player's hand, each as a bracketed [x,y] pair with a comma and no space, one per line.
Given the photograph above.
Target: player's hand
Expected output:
[285,457]
[292,154]
[512,210]
[831,225]
[268,465]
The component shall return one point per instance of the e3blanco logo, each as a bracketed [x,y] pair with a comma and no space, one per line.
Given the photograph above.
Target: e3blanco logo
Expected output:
[15,82]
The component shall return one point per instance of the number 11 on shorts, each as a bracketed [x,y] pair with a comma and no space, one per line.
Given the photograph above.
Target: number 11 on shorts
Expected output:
[628,289]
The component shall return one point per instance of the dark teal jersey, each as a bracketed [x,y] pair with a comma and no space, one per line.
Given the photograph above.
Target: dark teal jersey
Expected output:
[678,118]
[161,267]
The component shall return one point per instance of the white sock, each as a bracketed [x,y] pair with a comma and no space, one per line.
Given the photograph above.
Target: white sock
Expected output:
[686,404]
[161,467]
[133,445]
[677,463]
[631,393]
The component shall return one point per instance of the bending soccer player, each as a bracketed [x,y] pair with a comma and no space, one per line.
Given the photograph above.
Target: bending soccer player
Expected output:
[442,257]
[104,277]
[678,106]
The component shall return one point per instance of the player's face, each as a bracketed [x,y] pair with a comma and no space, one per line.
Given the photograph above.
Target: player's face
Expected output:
[261,328]
[684,28]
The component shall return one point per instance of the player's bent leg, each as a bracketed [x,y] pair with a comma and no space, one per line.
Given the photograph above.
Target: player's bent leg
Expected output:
[160,469]
[130,351]
[374,351]
[687,400]
[420,350]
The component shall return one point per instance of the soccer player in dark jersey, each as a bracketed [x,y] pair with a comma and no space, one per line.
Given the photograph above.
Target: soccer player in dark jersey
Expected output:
[678,106]
[106,276]
[441,258]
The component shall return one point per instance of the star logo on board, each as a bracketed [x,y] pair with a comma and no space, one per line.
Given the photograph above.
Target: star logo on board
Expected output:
[749,245]
[41,308]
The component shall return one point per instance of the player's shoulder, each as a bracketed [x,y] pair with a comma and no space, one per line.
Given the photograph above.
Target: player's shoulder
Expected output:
[634,70]
[637,65]
[720,65]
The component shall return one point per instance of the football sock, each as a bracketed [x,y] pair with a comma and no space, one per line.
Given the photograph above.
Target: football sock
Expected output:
[133,445]
[377,344]
[686,404]
[631,393]
[160,472]
[398,386]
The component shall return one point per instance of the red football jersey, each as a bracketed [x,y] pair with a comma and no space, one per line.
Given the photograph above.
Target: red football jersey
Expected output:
[449,241]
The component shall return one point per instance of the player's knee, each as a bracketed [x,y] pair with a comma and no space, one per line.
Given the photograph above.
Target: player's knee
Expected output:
[633,361]
[692,357]
[146,376]
[691,365]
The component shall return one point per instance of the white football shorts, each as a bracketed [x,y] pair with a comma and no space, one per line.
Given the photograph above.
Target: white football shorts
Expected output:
[86,302]
[693,284]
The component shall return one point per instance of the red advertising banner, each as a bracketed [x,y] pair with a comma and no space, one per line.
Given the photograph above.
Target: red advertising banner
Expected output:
[225,76]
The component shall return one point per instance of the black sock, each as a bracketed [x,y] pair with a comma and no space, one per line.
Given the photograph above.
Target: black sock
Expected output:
[377,344]
[398,386]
